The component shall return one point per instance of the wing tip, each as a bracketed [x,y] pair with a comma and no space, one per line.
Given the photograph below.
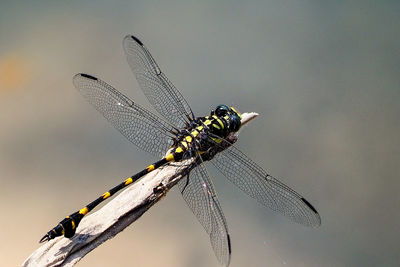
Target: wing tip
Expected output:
[316,220]
[309,205]
[227,261]
[318,223]
[229,244]
[85,76]
[130,36]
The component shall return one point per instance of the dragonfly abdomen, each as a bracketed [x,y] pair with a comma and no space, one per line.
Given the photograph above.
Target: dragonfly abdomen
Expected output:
[67,226]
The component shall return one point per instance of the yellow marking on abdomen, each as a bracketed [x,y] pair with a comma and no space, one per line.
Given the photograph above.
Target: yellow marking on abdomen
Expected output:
[150,168]
[170,157]
[83,211]
[195,133]
[207,122]
[189,139]
[128,181]
[178,150]
[106,195]
[200,128]
[184,144]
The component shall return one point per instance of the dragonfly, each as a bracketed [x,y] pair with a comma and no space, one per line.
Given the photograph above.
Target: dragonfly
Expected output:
[179,135]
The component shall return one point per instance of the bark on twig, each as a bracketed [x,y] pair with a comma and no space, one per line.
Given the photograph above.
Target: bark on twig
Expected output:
[114,217]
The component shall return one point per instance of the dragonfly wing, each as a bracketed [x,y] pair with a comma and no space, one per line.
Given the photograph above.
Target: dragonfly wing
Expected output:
[160,92]
[198,192]
[138,125]
[267,190]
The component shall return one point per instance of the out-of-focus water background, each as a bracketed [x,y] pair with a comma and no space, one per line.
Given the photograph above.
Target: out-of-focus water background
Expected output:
[324,77]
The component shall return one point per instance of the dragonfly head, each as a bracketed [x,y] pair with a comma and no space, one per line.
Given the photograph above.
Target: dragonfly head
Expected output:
[231,115]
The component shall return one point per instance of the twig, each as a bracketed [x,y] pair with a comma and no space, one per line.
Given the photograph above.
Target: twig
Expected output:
[114,217]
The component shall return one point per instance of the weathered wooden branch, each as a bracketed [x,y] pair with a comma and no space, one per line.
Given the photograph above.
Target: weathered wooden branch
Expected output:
[114,217]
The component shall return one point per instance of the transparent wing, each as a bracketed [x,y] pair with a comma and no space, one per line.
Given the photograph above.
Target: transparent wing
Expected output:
[267,190]
[160,92]
[198,192]
[138,125]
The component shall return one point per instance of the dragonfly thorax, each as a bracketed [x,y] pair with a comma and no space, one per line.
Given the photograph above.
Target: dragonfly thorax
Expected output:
[205,133]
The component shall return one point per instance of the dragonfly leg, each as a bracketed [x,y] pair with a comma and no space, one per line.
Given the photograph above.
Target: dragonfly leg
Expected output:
[186,184]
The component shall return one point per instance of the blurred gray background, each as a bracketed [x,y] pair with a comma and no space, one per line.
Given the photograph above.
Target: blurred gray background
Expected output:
[324,77]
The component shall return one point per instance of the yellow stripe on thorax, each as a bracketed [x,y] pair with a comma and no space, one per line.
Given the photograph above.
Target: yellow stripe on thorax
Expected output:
[217,140]
[240,115]
[220,123]
[216,126]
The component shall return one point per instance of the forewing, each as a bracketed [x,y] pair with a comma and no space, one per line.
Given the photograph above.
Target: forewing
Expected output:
[267,190]
[138,125]
[198,192]
[160,92]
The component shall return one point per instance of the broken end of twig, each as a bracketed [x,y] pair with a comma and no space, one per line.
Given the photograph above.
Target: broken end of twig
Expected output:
[248,116]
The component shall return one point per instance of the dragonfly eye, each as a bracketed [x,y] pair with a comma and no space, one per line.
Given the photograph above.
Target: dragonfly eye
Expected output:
[234,122]
[221,110]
